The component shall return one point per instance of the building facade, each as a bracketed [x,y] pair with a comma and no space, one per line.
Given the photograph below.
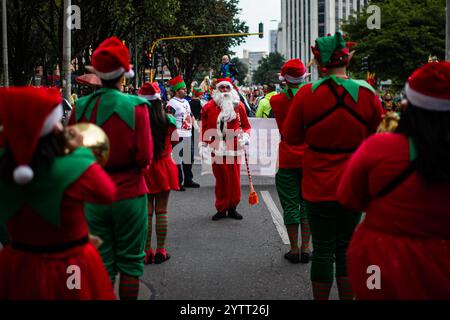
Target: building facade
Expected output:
[303,21]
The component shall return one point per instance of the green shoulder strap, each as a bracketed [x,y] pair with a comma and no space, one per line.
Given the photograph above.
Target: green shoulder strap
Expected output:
[45,192]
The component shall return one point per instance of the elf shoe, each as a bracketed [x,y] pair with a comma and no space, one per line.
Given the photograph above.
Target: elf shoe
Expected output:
[161,256]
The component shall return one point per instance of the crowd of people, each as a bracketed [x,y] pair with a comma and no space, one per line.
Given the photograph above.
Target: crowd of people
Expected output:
[337,160]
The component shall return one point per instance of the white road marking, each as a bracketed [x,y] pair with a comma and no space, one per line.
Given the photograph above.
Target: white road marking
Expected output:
[276,216]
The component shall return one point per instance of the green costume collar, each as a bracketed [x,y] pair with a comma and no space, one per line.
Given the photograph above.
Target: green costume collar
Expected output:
[45,192]
[112,101]
[350,85]
[291,93]
[172,121]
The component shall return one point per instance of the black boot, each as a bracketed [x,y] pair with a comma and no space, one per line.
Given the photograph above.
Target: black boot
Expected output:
[219,215]
[232,213]
[292,257]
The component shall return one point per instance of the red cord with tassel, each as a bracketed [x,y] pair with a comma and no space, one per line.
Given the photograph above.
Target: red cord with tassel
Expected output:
[253,196]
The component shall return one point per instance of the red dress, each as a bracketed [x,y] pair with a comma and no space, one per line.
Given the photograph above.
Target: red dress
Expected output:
[163,172]
[406,233]
[32,276]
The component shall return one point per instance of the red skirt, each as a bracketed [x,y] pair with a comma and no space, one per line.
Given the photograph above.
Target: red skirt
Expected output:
[410,268]
[74,274]
[162,176]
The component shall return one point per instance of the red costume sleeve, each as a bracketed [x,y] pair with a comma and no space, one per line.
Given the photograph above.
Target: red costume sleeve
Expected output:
[143,136]
[94,186]
[244,119]
[293,131]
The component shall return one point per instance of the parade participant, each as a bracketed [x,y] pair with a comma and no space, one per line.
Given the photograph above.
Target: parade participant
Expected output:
[196,103]
[125,119]
[228,69]
[225,130]
[264,109]
[181,110]
[162,175]
[402,181]
[332,116]
[288,178]
[42,196]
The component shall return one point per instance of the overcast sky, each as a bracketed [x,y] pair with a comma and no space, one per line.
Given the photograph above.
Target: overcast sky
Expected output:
[256,11]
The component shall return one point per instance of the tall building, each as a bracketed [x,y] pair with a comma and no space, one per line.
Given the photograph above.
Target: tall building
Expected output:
[273,41]
[254,60]
[303,21]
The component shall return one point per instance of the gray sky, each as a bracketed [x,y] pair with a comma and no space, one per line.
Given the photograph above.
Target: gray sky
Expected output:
[254,12]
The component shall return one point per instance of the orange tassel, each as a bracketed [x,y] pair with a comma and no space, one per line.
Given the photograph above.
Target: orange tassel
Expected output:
[253,198]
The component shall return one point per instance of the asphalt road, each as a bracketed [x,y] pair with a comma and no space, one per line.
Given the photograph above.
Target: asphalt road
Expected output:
[226,259]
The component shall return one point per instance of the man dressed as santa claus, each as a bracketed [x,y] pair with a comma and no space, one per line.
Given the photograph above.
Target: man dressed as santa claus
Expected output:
[225,132]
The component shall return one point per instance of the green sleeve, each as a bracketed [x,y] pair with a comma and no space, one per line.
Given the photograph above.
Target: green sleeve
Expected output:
[263,109]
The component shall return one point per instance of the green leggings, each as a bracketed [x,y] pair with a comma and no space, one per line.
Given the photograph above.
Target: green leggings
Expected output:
[332,227]
[123,228]
[289,188]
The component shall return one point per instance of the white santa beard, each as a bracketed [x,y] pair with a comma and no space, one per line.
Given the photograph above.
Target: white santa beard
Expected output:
[225,101]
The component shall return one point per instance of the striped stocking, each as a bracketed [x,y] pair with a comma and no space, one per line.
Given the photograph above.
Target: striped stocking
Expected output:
[306,234]
[128,287]
[344,288]
[161,229]
[292,230]
[321,290]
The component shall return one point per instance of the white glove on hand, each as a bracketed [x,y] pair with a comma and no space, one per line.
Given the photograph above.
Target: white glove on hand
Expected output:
[244,139]
[203,151]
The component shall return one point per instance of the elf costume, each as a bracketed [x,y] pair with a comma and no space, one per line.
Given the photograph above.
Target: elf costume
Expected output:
[406,232]
[226,151]
[288,178]
[332,116]
[162,176]
[125,120]
[43,206]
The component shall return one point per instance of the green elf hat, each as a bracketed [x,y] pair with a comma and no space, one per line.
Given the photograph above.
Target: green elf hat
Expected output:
[177,83]
[197,92]
[332,51]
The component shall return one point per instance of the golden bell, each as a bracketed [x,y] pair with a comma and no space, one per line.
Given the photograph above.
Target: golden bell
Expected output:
[95,139]
[389,122]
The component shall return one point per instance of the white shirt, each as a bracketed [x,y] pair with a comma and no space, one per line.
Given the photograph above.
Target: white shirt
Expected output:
[181,110]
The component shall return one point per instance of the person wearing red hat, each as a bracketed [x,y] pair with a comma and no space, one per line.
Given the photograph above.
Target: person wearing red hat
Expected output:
[225,131]
[332,116]
[42,196]
[162,176]
[125,119]
[402,180]
[180,108]
[290,161]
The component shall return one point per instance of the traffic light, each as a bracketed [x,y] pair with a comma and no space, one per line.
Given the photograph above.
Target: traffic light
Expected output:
[261,30]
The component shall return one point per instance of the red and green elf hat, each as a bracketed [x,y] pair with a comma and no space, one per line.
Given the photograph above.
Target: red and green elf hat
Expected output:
[177,83]
[332,51]
[197,92]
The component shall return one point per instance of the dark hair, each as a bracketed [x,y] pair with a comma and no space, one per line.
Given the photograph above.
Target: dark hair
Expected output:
[48,147]
[159,126]
[430,131]
[111,83]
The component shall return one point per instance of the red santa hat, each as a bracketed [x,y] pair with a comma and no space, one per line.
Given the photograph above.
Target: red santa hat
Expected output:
[150,91]
[111,60]
[224,82]
[429,87]
[293,71]
[27,114]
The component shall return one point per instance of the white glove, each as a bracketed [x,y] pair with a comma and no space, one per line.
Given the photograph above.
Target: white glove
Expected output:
[203,151]
[244,139]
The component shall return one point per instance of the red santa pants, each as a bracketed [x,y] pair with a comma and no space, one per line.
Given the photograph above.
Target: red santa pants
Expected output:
[227,172]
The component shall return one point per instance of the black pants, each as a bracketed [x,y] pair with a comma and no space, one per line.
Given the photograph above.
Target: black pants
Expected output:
[185,175]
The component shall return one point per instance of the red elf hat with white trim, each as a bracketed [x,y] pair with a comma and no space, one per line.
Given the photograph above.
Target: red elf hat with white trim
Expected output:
[27,114]
[150,91]
[293,71]
[111,60]
[429,87]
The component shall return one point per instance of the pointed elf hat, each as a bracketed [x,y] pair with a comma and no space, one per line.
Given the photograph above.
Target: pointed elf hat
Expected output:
[27,114]
[111,60]
[177,83]
[150,91]
[429,87]
[332,51]
[293,71]
[197,92]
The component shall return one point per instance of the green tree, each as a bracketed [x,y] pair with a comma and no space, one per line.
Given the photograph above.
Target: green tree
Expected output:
[268,69]
[410,31]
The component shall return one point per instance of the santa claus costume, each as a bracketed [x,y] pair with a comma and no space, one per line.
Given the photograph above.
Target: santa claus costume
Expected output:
[225,131]
[125,119]
[42,196]
[288,178]
[162,176]
[332,116]
[402,180]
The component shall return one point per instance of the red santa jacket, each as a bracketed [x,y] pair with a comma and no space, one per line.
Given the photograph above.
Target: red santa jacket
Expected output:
[333,125]
[289,157]
[215,136]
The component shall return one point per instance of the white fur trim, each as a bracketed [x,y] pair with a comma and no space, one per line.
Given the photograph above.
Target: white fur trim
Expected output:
[151,97]
[281,78]
[23,174]
[129,74]
[295,80]
[224,83]
[53,118]
[107,75]
[426,102]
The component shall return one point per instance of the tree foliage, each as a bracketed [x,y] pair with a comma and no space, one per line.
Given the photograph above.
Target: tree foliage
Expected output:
[268,69]
[410,31]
